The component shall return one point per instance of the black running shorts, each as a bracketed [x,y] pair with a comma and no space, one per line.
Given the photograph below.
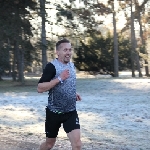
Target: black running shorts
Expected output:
[54,120]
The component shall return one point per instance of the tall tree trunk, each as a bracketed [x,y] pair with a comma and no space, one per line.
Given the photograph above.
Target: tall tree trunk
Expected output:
[43,34]
[8,45]
[19,51]
[143,44]
[139,9]
[14,73]
[1,43]
[134,53]
[138,61]
[20,65]
[132,44]
[115,44]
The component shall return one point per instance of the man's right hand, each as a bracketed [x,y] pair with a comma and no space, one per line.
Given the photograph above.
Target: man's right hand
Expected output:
[65,74]
[45,86]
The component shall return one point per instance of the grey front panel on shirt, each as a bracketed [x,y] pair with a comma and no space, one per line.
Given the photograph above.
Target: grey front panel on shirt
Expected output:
[63,96]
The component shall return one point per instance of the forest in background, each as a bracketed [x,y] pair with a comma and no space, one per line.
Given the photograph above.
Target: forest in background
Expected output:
[29,30]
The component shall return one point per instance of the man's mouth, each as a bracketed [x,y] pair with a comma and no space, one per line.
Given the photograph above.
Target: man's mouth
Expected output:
[67,56]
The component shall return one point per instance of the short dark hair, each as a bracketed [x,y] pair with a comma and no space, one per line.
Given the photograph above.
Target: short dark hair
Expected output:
[61,41]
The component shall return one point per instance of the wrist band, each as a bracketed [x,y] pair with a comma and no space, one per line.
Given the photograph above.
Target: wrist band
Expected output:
[59,78]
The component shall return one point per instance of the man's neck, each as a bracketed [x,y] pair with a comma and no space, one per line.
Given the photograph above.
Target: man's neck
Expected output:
[64,63]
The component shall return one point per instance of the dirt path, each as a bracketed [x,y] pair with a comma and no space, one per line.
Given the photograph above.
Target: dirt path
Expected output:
[61,144]
[114,115]
[10,144]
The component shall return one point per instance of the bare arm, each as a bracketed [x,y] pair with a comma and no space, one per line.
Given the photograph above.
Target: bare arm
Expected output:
[45,86]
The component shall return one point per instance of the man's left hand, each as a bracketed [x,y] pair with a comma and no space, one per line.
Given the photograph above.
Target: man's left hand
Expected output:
[78,97]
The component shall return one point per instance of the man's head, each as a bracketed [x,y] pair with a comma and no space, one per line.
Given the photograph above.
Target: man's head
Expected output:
[64,50]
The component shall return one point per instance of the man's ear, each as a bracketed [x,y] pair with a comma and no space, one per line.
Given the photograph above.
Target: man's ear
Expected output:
[57,52]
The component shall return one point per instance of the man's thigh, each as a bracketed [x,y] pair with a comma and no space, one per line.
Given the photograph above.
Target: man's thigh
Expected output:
[52,124]
[72,122]
[75,138]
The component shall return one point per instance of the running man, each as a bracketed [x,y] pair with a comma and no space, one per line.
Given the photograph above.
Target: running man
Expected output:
[59,79]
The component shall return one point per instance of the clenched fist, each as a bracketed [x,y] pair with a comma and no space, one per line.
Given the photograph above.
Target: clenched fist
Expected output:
[65,74]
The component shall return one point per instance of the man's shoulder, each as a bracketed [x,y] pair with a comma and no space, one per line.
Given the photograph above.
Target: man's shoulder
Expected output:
[72,65]
[50,64]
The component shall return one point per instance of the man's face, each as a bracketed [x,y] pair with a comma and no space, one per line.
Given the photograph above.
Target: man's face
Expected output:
[64,52]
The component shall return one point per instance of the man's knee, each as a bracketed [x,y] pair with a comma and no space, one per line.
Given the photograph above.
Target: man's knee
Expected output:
[77,145]
[50,144]
[47,145]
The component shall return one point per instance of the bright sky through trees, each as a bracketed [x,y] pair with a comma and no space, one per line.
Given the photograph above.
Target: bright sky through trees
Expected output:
[107,19]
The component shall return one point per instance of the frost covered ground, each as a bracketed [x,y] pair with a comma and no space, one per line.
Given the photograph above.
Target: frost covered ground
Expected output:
[114,115]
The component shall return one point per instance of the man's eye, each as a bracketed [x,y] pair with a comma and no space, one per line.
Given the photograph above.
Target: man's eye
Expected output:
[65,50]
